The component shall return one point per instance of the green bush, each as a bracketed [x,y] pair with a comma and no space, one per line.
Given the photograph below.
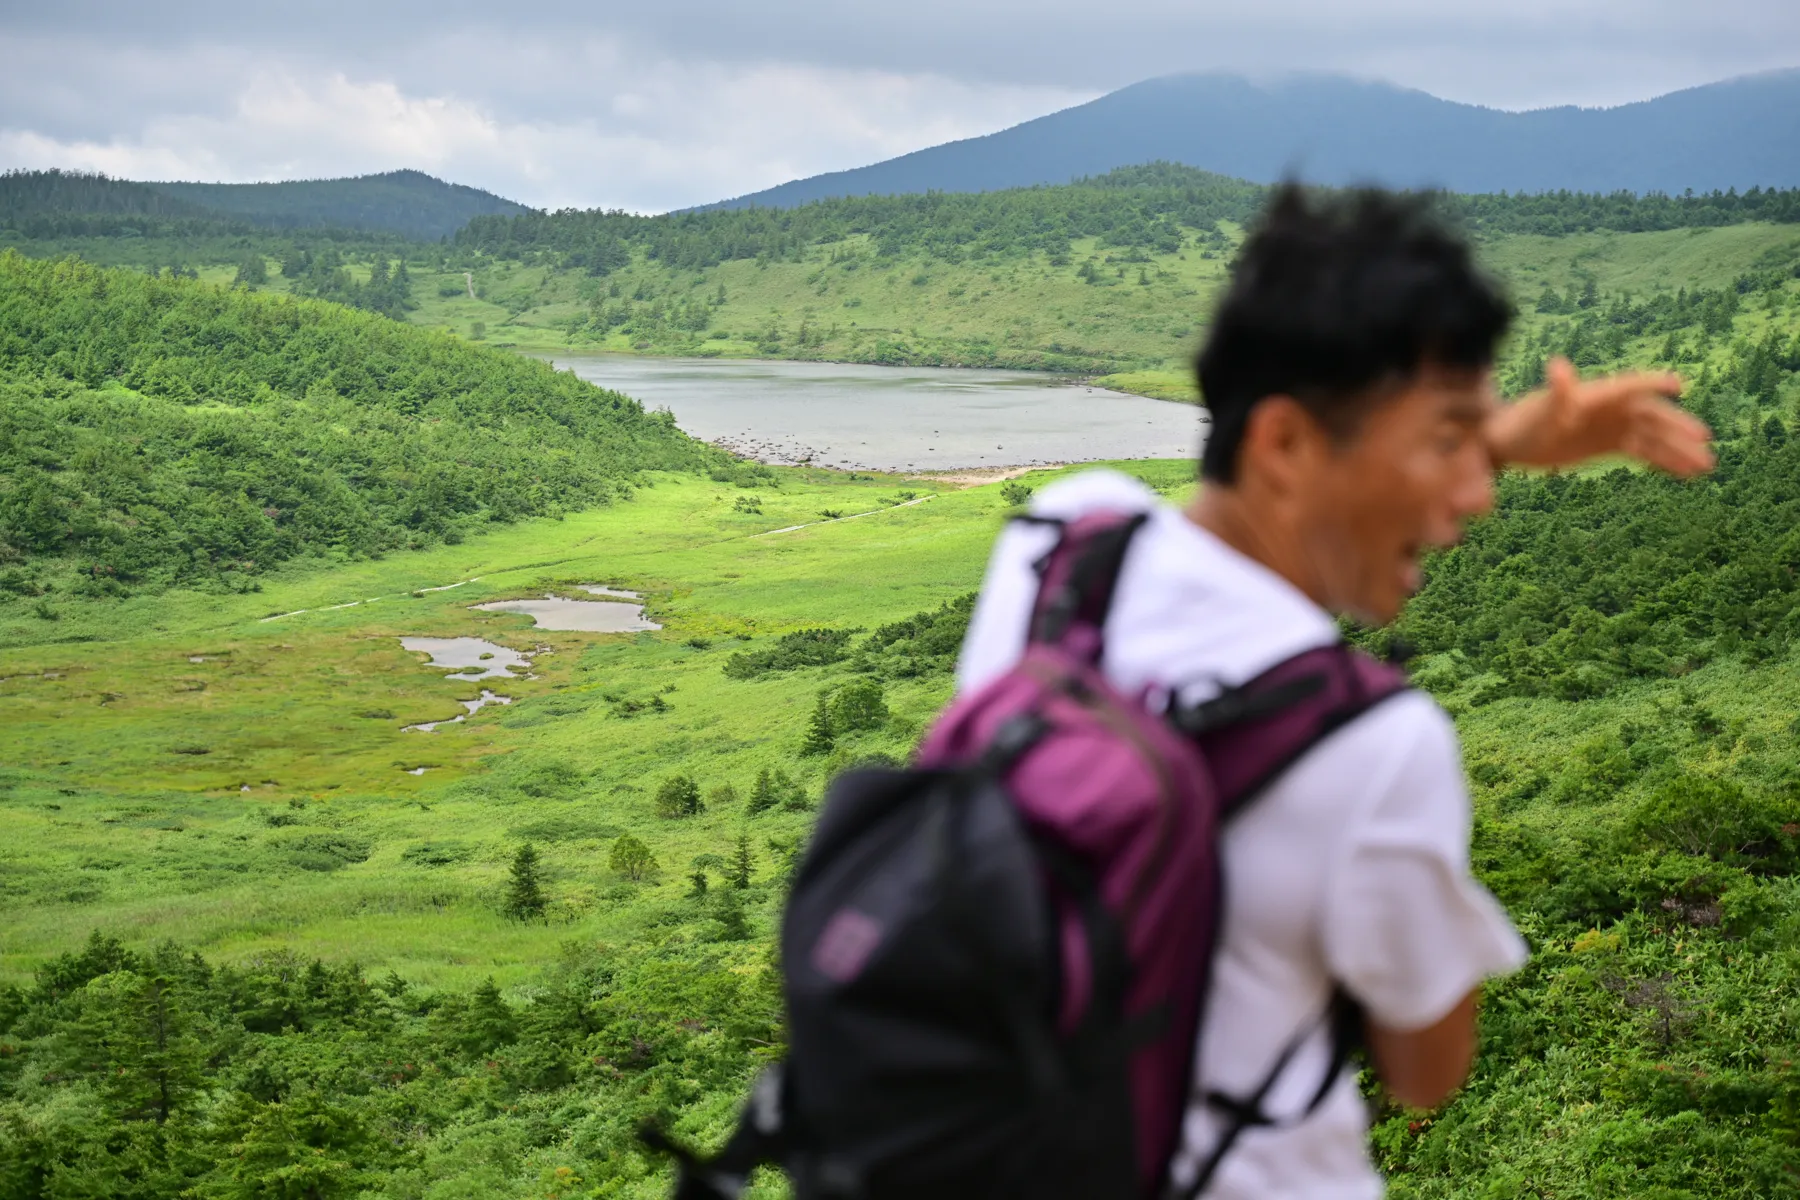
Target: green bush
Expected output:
[631,858]
[926,643]
[802,648]
[679,796]
[323,851]
[1716,819]
[857,706]
[436,854]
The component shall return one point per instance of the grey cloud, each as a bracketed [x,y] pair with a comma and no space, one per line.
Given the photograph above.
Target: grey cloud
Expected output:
[660,105]
[1510,51]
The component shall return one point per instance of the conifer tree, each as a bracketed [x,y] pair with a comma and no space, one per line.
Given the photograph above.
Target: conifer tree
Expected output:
[524,891]
[819,736]
[302,1145]
[488,1022]
[740,863]
[729,911]
[135,1032]
[763,796]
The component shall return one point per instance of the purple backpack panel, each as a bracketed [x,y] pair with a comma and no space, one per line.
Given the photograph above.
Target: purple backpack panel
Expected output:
[1132,799]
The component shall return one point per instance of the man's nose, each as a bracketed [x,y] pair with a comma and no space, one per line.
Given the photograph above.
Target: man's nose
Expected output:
[1473,493]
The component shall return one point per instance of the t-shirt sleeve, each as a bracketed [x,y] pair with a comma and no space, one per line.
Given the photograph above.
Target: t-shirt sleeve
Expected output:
[1407,930]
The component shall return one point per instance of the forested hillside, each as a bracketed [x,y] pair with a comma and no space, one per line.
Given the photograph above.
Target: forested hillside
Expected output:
[1112,275]
[49,195]
[401,205]
[1108,276]
[159,430]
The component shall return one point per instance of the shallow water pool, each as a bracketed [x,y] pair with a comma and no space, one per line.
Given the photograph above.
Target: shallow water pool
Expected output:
[469,658]
[896,418]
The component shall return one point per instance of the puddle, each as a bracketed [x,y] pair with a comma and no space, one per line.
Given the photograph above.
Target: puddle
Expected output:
[469,658]
[580,616]
[417,770]
[474,706]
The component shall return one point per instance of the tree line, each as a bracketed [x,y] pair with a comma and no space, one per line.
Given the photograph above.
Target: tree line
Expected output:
[1156,208]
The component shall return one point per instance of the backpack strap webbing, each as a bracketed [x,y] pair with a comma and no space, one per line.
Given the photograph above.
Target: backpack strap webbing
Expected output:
[760,1137]
[1251,734]
[1078,576]
[1255,731]
[1343,1020]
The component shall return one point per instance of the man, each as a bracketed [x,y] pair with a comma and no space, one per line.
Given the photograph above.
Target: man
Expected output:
[1355,426]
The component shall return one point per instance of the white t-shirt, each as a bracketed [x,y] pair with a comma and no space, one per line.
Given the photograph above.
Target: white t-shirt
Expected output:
[1353,866]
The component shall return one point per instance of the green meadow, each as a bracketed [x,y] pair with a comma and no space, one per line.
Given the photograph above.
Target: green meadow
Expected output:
[128,760]
[1659,996]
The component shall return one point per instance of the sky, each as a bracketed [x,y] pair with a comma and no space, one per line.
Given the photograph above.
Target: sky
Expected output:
[668,103]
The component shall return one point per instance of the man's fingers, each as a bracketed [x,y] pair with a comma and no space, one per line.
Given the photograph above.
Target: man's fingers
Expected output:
[1561,377]
[1664,436]
[1681,459]
[1650,384]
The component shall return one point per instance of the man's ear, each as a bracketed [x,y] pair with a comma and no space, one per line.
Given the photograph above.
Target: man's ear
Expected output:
[1281,445]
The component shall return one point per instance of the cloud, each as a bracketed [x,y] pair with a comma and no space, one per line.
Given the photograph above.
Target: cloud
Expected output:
[653,106]
[617,129]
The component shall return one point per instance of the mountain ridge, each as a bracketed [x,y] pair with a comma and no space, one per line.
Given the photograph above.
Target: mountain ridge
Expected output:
[1334,129]
[405,202]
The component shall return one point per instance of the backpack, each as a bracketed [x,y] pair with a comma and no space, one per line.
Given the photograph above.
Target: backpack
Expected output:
[994,960]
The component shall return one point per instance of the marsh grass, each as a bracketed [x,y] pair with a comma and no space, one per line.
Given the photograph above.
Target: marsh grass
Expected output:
[123,805]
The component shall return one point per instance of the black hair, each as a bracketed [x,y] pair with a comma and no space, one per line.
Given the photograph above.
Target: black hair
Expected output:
[1332,295]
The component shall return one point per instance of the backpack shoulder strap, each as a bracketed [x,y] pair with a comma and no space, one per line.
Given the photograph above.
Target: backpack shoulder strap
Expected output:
[1252,733]
[1076,579]
[1342,1020]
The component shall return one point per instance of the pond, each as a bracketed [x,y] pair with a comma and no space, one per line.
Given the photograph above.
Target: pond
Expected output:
[469,658]
[584,616]
[896,418]
[473,706]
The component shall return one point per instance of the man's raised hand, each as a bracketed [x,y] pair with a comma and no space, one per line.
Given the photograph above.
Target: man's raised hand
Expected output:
[1570,421]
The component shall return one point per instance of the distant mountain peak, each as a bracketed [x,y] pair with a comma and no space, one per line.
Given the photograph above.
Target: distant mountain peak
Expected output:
[1340,129]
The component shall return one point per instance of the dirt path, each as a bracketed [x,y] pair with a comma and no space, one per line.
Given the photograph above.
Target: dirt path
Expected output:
[835,520]
[976,476]
[469,282]
[371,600]
[525,566]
